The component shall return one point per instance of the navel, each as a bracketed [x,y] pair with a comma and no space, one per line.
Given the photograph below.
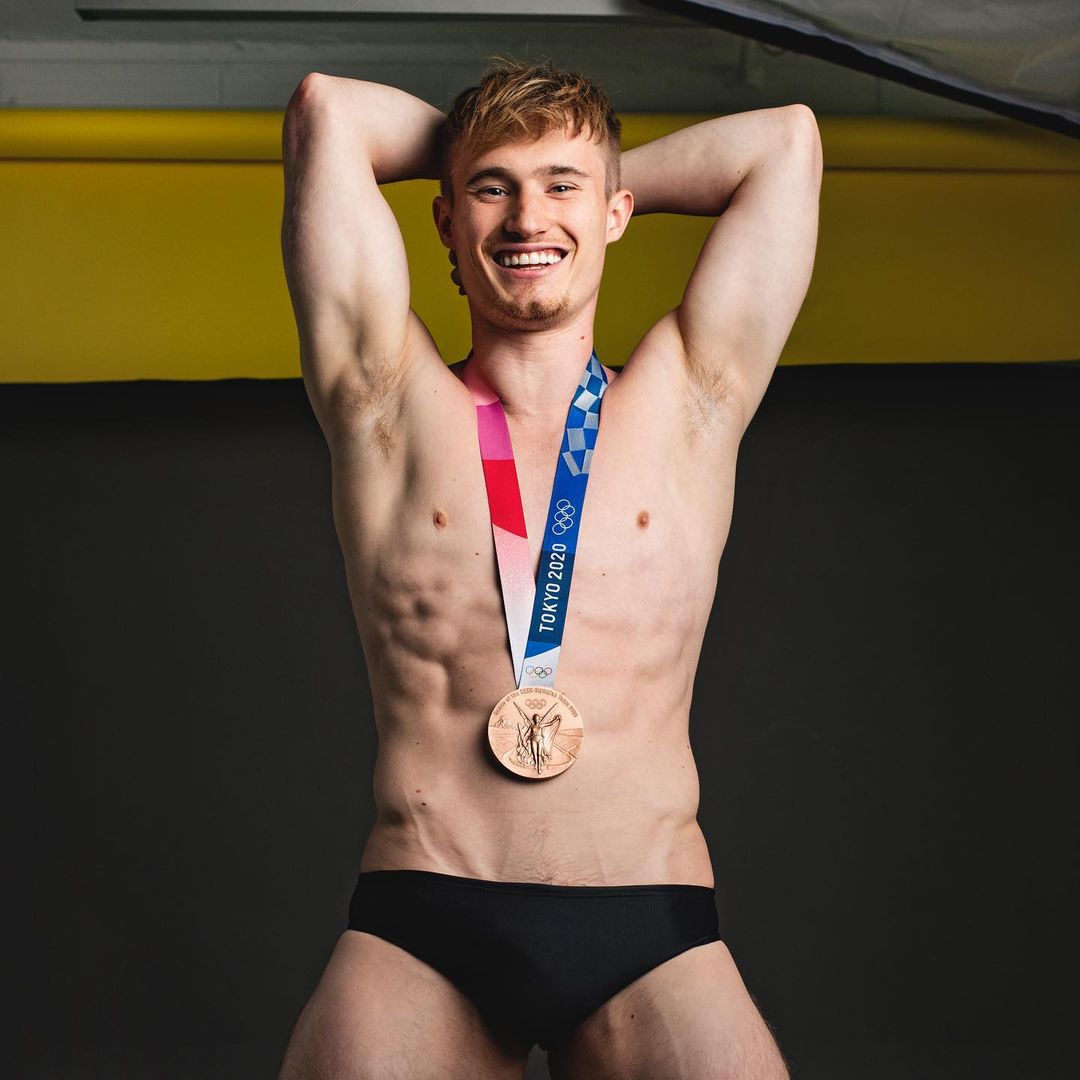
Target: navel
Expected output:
[439,519]
[643,519]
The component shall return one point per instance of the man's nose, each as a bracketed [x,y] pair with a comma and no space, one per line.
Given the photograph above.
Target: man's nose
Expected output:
[528,215]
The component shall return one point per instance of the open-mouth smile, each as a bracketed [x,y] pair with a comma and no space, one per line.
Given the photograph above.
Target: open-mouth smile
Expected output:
[528,262]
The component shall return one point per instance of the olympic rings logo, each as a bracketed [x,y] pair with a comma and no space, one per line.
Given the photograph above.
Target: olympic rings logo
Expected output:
[564,517]
[538,672]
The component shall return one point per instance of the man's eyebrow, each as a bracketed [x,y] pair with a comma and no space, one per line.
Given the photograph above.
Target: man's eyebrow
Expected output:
[501,173]
[490,170]
[563,170]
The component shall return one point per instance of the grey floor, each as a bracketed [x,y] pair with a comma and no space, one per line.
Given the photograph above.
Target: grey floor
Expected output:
[956,1062]
[537,1068]
[890,1062]
[808,1062]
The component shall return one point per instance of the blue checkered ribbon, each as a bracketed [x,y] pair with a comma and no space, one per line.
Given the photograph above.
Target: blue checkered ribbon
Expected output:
[561,531]
[583,421]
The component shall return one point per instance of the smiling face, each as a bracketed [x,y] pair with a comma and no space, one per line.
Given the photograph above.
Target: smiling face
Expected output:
[529,224]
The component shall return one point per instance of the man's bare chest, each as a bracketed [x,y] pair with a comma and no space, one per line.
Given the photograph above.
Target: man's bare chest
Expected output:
[647,545]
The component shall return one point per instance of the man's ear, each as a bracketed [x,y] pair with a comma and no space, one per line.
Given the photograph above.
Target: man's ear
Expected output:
[442,213]
[620,208]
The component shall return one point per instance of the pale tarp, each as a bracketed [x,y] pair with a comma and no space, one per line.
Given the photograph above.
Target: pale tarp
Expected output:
[1021,59]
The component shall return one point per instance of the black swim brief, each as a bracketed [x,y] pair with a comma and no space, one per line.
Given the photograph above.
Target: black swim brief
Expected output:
[536,959]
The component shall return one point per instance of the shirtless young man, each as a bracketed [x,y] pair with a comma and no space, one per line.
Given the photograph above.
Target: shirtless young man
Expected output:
[494,911]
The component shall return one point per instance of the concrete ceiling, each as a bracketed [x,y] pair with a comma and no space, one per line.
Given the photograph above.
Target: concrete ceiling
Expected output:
[649,60]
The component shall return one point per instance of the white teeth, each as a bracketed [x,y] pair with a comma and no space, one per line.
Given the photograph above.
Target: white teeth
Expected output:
[530,258]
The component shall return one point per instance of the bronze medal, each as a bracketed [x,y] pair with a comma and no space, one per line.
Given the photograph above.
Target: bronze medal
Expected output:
[536,732]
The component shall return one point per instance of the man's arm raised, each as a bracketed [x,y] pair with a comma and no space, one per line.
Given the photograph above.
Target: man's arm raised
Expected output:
[761,172]
[344,257]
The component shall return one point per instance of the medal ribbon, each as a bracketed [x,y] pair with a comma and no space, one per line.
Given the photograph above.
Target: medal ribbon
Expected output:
[536,638]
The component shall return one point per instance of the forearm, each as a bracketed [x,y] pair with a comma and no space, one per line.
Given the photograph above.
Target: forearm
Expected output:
[398,132]
[696,170]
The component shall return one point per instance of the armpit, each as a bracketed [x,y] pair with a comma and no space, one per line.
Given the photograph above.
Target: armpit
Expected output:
[710,398]
[369,406]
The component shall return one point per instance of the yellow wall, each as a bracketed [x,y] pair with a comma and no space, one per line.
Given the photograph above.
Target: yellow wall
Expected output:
[143,244]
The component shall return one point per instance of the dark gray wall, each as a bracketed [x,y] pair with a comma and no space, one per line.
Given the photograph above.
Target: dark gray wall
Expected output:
[660,59]
[884,721]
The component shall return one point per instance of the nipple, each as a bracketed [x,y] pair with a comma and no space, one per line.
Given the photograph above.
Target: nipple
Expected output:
[439,519]
[643,519]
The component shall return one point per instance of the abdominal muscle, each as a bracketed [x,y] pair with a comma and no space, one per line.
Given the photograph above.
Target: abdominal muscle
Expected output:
[422,575]
[439,661]
[462,820]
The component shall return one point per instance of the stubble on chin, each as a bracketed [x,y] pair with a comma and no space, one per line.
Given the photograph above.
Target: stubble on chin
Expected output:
[532,314]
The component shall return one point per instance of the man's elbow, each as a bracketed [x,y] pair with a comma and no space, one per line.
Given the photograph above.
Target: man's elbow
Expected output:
[311,87]
[801,136]
[313,82]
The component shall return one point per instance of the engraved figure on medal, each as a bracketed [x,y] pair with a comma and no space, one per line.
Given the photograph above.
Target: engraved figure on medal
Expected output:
[536,732]
[535,737]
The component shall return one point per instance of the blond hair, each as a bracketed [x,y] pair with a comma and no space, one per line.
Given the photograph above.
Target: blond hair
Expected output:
[516,101]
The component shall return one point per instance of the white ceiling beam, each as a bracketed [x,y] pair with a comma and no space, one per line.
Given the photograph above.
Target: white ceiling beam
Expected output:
[322,9]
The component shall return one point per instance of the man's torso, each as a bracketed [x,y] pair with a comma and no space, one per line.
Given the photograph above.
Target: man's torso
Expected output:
[411,511]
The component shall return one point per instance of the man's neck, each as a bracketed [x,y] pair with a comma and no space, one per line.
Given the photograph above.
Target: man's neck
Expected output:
[534,372]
